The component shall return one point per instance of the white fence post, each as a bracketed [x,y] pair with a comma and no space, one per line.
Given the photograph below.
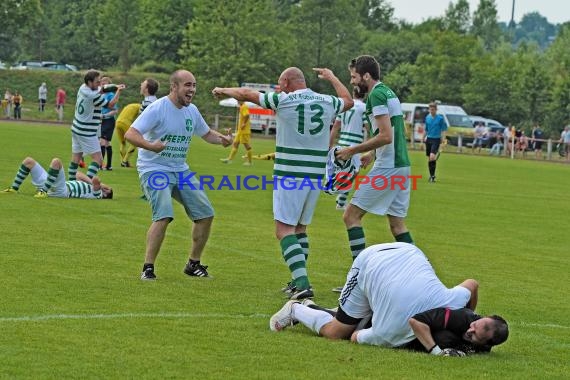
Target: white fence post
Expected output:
[459,143]
[217,122]
[549,150]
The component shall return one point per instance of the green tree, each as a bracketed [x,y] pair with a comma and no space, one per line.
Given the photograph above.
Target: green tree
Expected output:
[18,20]
[458,17]
[558,60]
[395,48]
[236,41]
[441,74]
[377,15]
[534,28]
[327,34]
[119,25]
[160,31]
[485,24]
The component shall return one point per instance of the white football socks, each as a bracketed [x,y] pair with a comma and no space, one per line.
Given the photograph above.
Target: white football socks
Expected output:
[311,318]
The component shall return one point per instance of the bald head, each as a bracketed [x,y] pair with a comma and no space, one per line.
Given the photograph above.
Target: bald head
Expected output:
[292,79]
[180,76]
[182,87]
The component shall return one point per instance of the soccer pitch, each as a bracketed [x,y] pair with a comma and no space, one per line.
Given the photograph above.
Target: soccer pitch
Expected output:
[72,304]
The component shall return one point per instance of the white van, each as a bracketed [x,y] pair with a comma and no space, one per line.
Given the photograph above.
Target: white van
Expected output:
[457,120]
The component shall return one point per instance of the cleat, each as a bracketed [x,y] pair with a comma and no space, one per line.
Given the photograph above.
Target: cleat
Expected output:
[196,270]
[338,289]
[110,168]
[82,164]
[283,318]
[125,164]
[41,194]
[299,294]
[289,288]
[10,190]
[248,164]
[148,274]
[226,160]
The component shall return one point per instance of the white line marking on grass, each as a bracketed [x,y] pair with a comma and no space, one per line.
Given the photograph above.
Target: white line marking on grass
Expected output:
[41,318]
[545,325]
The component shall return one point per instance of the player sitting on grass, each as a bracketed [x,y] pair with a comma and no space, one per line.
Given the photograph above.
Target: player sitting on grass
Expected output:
[395,288]
[52,183]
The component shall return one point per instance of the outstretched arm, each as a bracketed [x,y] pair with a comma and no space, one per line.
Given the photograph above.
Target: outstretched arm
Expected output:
[215,137]
[239,93]
[341,90]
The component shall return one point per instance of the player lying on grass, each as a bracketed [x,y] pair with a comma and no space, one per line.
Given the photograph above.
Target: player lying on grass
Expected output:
[394,288]
[52,183]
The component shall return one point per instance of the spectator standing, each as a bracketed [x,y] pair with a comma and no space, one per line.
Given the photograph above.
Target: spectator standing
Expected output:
[60,96]
[42,97]
[7,103]
[480,135]
[17,100]
[565,139]
[537,141]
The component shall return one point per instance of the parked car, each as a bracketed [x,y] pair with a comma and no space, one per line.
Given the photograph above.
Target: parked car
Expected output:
[456,119]
[43,65]
[59,67]
[2,66]
[494,128]
[27,65]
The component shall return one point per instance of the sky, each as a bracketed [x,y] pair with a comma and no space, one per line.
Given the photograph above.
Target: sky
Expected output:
[415,11]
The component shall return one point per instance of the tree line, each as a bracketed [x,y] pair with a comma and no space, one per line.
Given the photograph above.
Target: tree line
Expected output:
[515,73]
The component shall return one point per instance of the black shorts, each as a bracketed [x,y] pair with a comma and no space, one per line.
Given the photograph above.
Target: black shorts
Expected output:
[537,145]
[107,128]
[342,317]
[432,146]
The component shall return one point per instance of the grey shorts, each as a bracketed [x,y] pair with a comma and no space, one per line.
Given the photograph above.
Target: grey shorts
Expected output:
[161,187]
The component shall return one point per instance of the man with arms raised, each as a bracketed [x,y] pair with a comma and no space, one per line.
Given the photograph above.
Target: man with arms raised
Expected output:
[303,133]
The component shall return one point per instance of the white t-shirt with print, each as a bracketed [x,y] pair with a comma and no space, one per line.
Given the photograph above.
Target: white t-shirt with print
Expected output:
[162,120]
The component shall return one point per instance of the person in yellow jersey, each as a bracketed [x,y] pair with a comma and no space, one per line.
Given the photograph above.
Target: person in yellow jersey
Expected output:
[124,121]
[243,136]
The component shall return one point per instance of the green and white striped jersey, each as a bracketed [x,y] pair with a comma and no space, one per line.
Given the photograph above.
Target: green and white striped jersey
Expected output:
[303,131]
[88,111]
[383,101]
[352,124]
[79,189]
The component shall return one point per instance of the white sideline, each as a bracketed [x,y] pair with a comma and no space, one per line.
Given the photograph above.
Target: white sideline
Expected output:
[41,318]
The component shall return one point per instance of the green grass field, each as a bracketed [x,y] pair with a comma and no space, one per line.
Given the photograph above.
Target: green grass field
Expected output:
[72,304]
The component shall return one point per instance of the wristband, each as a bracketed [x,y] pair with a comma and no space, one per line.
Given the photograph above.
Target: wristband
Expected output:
[435,350]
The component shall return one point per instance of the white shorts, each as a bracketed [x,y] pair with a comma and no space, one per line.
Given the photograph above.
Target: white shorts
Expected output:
[294,206]
[84,144]
[387,192]
[39,177]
